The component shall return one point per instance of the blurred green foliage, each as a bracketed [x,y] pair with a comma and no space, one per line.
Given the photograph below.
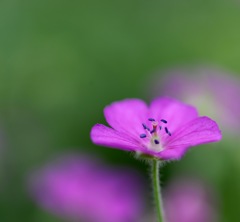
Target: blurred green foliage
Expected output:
[61,62]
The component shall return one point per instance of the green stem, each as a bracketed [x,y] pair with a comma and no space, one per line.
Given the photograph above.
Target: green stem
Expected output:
[157,190]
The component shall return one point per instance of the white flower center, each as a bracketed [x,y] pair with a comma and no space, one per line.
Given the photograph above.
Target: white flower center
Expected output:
[152,137]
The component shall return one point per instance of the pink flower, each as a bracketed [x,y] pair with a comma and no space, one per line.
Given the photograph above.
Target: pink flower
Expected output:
[189,201]
[164,130]
[80,189]
[212,91]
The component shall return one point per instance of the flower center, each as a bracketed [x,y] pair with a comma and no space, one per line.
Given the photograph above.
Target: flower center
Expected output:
[153,135]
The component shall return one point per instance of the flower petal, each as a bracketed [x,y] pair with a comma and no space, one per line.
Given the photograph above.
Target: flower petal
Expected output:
[127,116]
[106,136]
[175,112]
[199,131]
[171,154]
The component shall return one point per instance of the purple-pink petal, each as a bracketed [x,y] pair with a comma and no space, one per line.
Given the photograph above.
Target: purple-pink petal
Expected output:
[106,136]
[175,112]
[77,188]
[199,131]
[127,116]
[188,200]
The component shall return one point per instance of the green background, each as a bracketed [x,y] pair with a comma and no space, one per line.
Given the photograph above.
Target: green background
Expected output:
[61,62]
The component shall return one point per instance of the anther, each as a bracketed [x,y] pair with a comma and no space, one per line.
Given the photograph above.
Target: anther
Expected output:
[163,120]
[144,126]
[156,141]
[151,119]
[143,135]
[167,131]
[160,127]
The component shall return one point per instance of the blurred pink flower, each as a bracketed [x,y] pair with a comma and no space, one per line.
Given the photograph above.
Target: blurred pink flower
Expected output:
[212,91]
[165,130]
[189,201]
[80,189]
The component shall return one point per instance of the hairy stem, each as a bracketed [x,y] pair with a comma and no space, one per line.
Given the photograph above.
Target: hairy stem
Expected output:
[157,191]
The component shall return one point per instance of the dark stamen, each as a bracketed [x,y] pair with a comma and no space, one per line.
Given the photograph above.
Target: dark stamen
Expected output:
[153,131]
[143,135]
[166,129]
[156,141]
[163,120]
[169,134]
[144,126]
[160,127]
[151,119]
